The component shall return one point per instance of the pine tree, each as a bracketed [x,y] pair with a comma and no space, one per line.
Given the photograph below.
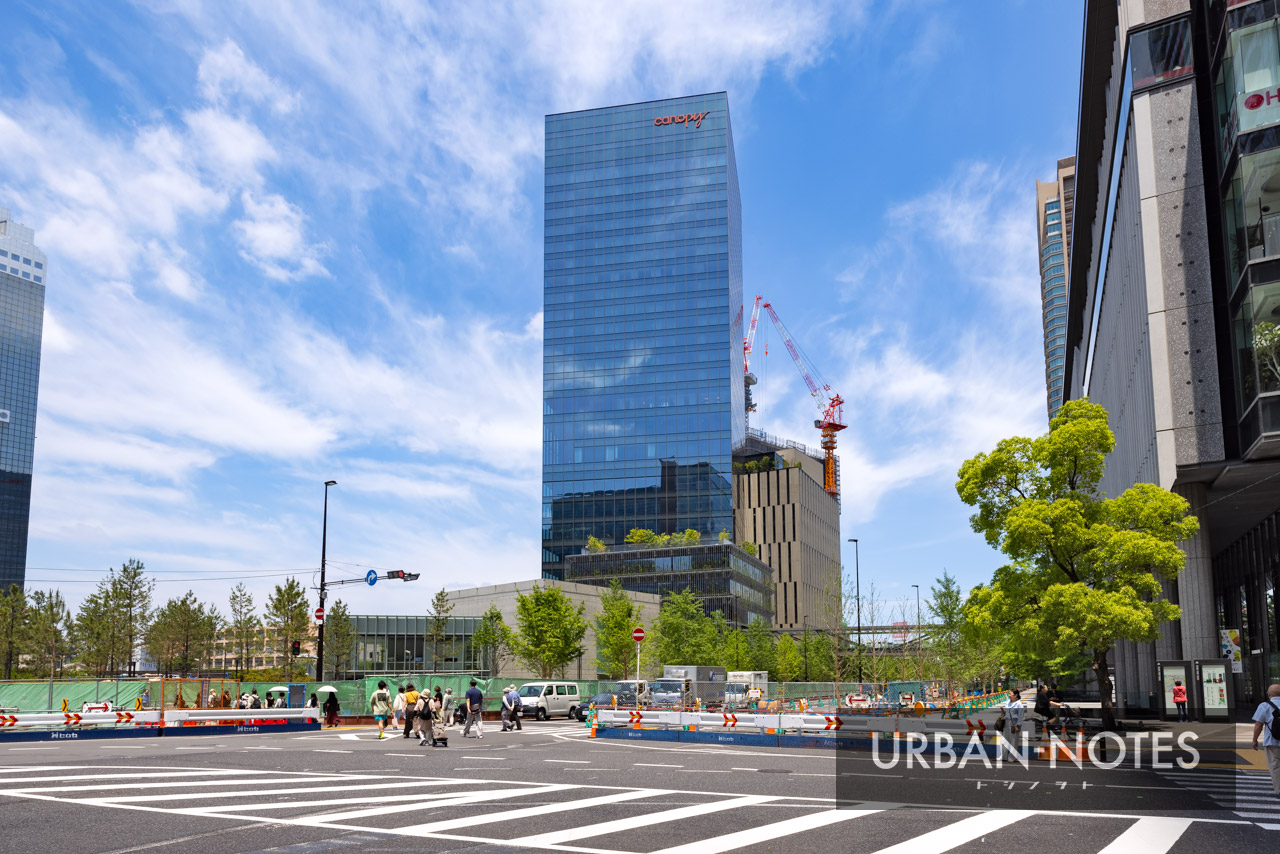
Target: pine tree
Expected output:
[243,627]
[14,624]
[438,625]
[341,639]
[289,614]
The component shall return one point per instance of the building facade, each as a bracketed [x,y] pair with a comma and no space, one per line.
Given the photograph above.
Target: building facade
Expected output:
[1173,297]
[721,575]
[267,648]
[643,399]
[1055,208]
[22,281]
[784,510]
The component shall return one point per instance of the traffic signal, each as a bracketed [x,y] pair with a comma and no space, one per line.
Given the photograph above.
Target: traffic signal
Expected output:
[402,575]
[297,647]
[395,573]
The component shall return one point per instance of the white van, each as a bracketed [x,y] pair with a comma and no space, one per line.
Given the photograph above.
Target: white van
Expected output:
[544,699]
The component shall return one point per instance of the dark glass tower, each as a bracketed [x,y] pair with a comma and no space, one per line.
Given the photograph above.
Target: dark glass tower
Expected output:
[22,273]
[642,356]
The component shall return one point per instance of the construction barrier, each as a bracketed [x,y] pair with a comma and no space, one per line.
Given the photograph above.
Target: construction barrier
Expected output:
[58,726]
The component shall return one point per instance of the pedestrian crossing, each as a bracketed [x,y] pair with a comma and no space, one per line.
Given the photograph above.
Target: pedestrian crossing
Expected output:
[547,816]
[1245,794]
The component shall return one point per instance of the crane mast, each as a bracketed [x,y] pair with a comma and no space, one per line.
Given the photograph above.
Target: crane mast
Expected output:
[832,420]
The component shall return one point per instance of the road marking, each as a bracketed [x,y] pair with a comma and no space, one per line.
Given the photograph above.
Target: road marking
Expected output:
[531,812]
[570,761]
[346,736]
[330,751]
[957,834]
[492,758]
[264,748]
[451,799]
[744,769]
[620,825]
[250,781]
[654,765]
[704,771]
[756,835]
[34,748]
[1148,836]
[218,772]
[329,802]
[193,748]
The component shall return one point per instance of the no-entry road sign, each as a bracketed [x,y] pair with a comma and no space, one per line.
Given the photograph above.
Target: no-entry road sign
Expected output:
[319,615]
[638,635]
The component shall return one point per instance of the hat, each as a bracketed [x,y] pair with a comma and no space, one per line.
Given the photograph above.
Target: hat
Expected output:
[511,687]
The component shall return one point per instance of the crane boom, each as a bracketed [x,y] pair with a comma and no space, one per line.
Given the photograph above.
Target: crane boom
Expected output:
[751,335]
[832,420]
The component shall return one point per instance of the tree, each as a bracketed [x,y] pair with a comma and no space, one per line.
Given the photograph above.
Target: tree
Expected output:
[243,627]
[1266,343]
[131,593]
[181,636]
[340,634]
[1085,570]
[946,607]
[14,621]
[759,640]
[289,615]
[641,536]
[549,630]
[438,625]
[749,548]
[97,633]
[786,660]
[492,639]
[49,630]
[686,633]
[596,546]
[617,618]
[735,654]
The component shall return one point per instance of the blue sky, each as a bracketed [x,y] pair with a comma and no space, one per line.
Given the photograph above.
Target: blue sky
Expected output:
[288,243]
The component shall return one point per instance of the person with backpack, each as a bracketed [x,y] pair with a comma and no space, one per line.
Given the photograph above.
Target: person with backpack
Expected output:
[448,708]
[255,702]
[1266,723]
[512,706]
[474,701]
[380,702]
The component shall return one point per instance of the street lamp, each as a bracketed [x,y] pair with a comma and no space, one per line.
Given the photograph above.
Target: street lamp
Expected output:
[919,645]
[857,585]
[324,537]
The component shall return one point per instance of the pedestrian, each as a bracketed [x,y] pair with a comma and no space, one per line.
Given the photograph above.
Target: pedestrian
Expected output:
[313,703]
[146,697]
[506,710]
[331,709]
[447,708]
[1047,706]
[397,707]
[380,702]
[1012,713]
[1180,700]
[226,699]
[410,701]
[422,717]
[474,702]
[255,702]
[439,698]
[1266,723]
[439,737]
[516,707]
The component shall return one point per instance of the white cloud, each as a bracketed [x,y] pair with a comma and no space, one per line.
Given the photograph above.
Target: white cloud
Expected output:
[225,73]
[272,236]
[232,147]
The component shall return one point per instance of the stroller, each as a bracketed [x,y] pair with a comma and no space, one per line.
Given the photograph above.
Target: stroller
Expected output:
[439,735]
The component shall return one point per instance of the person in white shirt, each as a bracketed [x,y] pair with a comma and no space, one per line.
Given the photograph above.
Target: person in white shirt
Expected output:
[1266,720]
[1014,712]
[398,707]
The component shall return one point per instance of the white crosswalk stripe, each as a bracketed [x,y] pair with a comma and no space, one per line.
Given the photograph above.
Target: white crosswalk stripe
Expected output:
[1246,794]
[569,816]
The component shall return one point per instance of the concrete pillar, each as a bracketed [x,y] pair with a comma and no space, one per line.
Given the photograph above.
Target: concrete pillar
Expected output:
[1195,584]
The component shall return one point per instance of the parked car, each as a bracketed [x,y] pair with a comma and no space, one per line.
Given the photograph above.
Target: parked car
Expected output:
[622,696]
[544,699]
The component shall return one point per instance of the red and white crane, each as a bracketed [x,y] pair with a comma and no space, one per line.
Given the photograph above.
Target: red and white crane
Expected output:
[828,401]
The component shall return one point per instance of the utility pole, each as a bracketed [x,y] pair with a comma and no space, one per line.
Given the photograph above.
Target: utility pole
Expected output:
[324,537]
[857,595]
[919,644]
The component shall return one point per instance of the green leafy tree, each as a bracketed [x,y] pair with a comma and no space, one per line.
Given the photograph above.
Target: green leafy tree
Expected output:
[14,625]
[596,546]
[760,650]
[340,639]
[686,633]
[735,653]
[549,630]
[749,548]
[1266,344]
[49,630]
[944,634]
[618,616]
[288,614]
[438,626]
[786,660]
[97,633]
[243,627]
[181,636]
[492,639]
[131,592]
[1085,570]
[641,536]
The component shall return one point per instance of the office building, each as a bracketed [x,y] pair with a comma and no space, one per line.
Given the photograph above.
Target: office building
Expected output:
[22,281]
[1173,300]
[643,397]
[721,575]
[779,504]
[1055,208]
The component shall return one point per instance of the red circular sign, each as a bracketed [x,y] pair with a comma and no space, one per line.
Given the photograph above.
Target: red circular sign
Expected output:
[638,634]
[1253,102]
[319,615]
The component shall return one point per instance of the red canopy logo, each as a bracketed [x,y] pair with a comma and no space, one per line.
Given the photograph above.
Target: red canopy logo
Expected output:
[1253,102]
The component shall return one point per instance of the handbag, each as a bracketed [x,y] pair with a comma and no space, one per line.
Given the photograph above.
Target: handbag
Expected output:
[1001,720]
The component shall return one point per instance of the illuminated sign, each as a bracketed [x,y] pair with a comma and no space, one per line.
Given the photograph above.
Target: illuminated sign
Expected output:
[683,119]
[1256,109]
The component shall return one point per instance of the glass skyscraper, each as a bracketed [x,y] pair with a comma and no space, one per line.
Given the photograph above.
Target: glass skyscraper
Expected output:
[22,274]
[642,357]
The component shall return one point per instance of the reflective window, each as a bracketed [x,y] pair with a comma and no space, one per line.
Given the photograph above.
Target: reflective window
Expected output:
[1251,218]
[1161,53]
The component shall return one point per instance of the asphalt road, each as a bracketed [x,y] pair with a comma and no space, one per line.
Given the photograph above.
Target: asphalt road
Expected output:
[550,788]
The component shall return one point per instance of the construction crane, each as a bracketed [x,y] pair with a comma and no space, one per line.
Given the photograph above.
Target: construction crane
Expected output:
[749,379]
[831,404]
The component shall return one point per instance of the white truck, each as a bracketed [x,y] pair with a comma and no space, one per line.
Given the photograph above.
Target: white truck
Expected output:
[746,686]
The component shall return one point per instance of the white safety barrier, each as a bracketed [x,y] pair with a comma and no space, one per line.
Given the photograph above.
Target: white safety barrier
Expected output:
[832,723]
[172,716]
[78,718]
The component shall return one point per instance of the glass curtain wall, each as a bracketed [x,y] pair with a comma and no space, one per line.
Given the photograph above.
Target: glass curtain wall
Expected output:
[394,644]
[642,355]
